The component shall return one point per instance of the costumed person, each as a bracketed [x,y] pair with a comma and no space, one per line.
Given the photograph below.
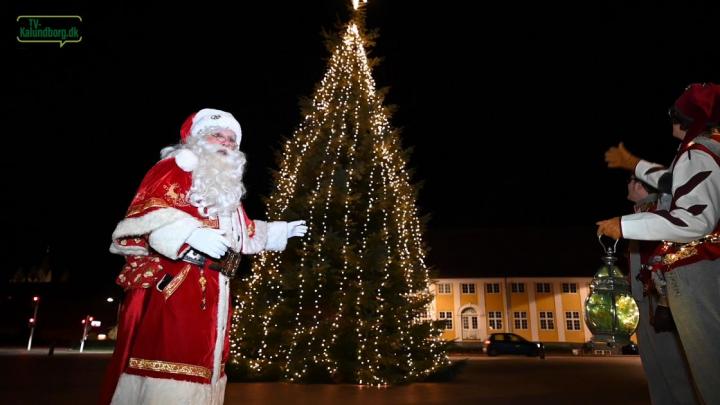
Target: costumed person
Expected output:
[689,229]
[182,237]
[662,357]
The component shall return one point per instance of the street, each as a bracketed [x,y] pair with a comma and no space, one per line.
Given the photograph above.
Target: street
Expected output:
[73,378]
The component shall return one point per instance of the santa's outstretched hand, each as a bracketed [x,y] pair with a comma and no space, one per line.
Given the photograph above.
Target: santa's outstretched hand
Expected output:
[296,228]
[209,241]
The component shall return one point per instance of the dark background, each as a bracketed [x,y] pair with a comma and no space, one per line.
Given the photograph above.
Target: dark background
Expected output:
[508,109]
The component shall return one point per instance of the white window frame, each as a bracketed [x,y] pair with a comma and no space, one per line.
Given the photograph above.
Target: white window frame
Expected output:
[492,288]
[520,320]
[572,320]
[547,320]
[569,288]
[447,317]
[517,288]
[495,321]
[444,288]
[467,288]
[541,288]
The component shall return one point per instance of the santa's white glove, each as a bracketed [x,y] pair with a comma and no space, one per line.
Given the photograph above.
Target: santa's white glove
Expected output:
[209,241]
[296,228]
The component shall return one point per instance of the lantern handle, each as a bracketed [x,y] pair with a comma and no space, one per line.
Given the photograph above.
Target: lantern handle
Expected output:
[610,251]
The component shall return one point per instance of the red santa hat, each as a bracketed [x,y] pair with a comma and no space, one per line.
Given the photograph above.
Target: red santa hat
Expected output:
[697,108]
[207,120]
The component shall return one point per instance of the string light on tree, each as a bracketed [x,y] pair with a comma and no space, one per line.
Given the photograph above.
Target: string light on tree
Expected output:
[343,303]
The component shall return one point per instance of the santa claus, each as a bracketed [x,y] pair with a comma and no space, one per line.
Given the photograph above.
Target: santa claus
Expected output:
[183,224]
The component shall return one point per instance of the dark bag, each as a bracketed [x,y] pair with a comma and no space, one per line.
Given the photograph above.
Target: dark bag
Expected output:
[663,319]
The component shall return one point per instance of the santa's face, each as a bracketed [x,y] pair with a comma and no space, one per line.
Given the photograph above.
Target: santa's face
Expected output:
[224,137]
[217,180]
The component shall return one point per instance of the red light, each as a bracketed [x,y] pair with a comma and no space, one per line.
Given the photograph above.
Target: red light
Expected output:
[32,320]
[487,342]
[83,321]
[90,318]
[36,298]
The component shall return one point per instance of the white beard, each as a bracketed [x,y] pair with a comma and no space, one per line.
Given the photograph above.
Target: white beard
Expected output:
[217,185]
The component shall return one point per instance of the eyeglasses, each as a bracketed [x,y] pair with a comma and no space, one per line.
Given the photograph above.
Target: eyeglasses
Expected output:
[672,112]
[677,117]
[223,137]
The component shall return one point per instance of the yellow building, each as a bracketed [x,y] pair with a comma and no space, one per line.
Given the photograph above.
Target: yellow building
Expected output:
[548,309]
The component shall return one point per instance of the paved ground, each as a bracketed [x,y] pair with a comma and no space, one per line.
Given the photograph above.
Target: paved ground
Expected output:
[73,378]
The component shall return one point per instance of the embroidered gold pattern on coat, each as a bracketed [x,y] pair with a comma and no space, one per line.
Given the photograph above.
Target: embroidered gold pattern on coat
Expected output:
[175,283]
[173,196]
[684,253]
[211,222]
[169,367]
[151,203]
[689,249]
[203,282]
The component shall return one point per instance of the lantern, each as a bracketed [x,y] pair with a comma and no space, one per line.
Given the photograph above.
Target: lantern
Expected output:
[611,313]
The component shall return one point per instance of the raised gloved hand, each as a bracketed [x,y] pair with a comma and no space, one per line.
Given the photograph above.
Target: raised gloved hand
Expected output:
[619,157]
[296,228]
[209,241]
[610,227]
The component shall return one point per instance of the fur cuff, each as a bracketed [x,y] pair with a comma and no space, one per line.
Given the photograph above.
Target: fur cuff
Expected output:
[169,239]
[149,222]
[128,250]
[276,236]
[256,243]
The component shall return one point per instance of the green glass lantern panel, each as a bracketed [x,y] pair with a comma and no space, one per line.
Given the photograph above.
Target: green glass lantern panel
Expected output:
[611,313]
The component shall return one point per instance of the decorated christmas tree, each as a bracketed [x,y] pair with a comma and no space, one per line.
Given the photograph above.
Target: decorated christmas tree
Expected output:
[349,301]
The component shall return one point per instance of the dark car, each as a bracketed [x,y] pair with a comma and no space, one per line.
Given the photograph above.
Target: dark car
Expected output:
[630,348]
[510,343]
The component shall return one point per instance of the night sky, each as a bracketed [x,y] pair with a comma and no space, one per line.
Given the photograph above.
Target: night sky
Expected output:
[508,109]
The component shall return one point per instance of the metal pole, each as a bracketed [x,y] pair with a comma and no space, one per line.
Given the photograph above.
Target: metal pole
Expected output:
[32,327]
[85,330]
[32,330]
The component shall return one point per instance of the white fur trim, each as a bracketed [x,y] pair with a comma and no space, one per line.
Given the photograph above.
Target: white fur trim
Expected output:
[146,224]
[138,390]
[210,117]
[118,249]
[257,243]
[167,240]
[222,315]
[149,222]
[267,236]
[186,160]
[276,236]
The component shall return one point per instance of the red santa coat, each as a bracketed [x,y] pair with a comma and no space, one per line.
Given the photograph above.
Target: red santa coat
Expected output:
[173,342]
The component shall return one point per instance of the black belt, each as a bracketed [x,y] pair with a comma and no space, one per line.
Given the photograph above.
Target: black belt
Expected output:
[227,265]
[197,258]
